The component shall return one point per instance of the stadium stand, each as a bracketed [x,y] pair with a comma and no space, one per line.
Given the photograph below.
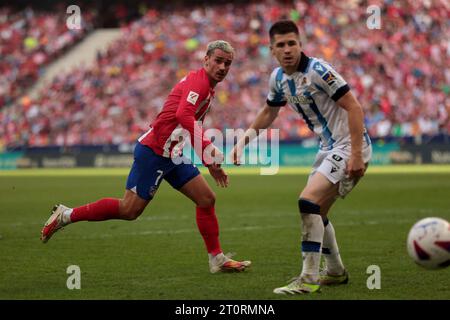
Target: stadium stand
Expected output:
[30,39]
[400,73]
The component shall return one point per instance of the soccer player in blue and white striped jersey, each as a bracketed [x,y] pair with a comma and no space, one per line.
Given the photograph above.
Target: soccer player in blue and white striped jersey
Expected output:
[319,94]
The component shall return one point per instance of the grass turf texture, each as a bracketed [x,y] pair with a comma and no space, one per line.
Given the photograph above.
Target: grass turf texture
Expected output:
[161,255]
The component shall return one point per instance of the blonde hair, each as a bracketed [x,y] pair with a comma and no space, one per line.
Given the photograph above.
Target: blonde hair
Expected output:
[219,44]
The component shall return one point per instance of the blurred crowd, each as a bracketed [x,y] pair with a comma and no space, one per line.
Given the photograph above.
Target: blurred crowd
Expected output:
[29,39]
[400,73]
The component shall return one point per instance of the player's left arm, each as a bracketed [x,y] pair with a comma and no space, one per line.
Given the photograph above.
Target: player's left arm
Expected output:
[333,84]
[194,92]
[356,166]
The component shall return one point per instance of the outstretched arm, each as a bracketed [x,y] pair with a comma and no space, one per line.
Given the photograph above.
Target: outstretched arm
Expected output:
[356,166]
[263,120]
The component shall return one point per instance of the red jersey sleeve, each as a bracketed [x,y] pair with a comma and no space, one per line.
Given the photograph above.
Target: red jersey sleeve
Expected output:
[195,90]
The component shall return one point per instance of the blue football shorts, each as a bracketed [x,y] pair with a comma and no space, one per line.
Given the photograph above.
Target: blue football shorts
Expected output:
[149,169]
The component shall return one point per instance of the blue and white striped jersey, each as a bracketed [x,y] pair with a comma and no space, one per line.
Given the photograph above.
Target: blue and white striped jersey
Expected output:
[312,91]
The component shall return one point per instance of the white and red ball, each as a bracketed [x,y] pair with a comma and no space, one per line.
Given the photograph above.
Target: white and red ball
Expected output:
[429,243]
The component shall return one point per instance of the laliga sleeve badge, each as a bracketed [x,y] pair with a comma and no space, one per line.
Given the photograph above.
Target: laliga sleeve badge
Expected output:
[192,97]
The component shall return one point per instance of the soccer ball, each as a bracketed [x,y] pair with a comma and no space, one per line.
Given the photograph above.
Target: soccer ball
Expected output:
[429,243]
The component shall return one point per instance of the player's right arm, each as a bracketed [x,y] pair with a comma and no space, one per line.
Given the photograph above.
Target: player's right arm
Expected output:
[267,115]
[263,120]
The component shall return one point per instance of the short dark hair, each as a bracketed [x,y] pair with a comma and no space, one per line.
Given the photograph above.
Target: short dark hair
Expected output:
[283,27]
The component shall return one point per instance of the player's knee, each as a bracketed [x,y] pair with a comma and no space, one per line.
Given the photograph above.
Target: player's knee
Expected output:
[130,213]
[207,200]
[308,207]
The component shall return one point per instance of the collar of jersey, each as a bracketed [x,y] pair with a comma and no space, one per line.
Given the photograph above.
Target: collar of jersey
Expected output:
[304,60]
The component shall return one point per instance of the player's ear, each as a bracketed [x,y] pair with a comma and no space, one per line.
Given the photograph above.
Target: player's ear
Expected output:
[271,45]
[272,50]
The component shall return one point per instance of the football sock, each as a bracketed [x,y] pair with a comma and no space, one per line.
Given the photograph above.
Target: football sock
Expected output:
[104,209]
[209,229]
[330,250]
[217,259]
[312,237]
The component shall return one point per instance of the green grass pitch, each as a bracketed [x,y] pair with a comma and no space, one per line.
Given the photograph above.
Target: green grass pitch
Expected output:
[161,255]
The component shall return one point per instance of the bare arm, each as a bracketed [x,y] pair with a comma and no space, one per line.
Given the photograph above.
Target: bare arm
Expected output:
[263,120]
[356,166]
[265,117]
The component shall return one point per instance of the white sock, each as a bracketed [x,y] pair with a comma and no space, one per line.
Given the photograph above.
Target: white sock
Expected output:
[217,258]
[330,251]
[312,237]
[66,217]
[310,270]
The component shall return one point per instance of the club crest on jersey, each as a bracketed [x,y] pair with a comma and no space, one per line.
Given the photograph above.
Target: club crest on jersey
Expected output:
[192,97]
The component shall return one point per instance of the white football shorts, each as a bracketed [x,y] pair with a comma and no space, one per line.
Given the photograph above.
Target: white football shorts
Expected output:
[332,164]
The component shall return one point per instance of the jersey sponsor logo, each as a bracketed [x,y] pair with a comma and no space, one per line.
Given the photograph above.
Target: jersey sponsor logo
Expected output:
[336,157]
[299,99]
[329,78]
[192,97]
